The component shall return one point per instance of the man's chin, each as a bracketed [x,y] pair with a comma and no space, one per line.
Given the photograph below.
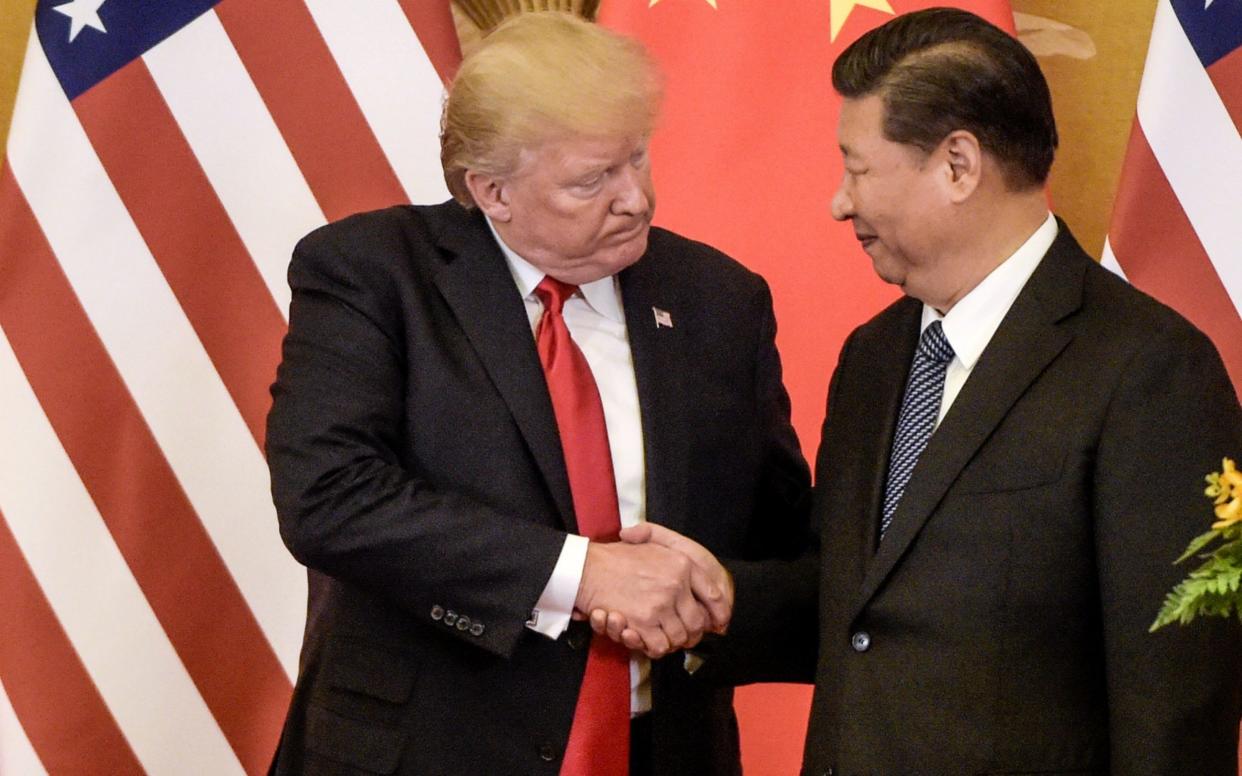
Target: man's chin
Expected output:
[630,251]
[886,271]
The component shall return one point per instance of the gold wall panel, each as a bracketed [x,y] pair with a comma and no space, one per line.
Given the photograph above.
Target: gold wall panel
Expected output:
[15,18]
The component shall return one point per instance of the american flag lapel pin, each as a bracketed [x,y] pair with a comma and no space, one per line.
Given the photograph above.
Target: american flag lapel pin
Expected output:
[662,318]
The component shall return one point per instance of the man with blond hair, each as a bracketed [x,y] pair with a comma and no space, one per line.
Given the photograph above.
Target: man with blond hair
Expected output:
[477,396]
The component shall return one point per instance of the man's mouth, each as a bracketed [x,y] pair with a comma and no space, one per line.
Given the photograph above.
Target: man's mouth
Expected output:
[629,232]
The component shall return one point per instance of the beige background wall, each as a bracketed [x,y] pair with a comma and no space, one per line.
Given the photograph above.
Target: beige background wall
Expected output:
[1094,99]
[1094,82]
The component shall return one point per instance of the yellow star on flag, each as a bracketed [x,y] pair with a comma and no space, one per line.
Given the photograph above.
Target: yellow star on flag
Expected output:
[712,3]
[840,10]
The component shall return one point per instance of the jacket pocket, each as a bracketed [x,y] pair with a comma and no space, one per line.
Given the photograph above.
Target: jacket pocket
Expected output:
[368,747]
[1020,471]
[359,667]
[364,682]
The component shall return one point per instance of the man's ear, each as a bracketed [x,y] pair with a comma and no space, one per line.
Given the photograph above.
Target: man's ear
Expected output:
[964,158]
[489,194]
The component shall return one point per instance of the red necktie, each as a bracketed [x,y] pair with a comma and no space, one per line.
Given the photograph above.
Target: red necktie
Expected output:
[599,741]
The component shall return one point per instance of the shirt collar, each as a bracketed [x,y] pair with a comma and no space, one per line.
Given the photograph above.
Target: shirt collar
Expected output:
[970,324]
[603,295]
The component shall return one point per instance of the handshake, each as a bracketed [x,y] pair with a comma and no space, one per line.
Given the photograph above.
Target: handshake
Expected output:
[655,591]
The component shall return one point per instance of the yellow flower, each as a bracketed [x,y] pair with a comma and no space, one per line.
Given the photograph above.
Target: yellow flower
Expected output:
[1229,513]
[1224,485]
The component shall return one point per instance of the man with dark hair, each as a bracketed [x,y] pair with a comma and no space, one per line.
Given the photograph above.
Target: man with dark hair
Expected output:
[1012,457]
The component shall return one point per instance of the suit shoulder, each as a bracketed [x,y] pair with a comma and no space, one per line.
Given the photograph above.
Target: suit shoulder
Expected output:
[698,260]
[1126,312]
[378,242]
[370,228]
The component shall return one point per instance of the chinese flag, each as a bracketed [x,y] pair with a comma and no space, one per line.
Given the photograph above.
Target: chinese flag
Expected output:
[746,159]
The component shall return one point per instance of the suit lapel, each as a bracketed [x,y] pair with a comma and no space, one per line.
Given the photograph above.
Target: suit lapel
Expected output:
[887,358]
[477,285]
[1027,340]
[659,354]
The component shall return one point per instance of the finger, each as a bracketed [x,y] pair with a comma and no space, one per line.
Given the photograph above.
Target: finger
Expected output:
[667,537]
[672,620]
[707,593]
[633,641]
[697,624]
[700,555]
[616,626]
[599,620]
[636,534]
[693,616]
[656,642]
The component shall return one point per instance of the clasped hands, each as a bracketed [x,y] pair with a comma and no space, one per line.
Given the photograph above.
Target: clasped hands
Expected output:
[655,591]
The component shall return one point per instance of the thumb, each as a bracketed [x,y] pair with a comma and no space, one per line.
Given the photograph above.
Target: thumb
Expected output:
[669,538]
[636,534]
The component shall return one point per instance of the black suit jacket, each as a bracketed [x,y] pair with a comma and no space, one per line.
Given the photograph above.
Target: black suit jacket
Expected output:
[416,464]
[1001,625]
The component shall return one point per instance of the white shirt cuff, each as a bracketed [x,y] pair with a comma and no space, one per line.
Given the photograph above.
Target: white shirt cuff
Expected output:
[552,611]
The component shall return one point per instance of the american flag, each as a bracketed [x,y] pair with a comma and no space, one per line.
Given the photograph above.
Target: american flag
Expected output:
[1177,223]
[163,159]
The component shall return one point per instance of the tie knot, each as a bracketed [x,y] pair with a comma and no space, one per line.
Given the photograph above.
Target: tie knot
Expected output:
[553,293]
[934,346]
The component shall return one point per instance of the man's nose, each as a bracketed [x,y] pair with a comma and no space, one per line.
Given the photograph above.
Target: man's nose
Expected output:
[842,204]
[631,196]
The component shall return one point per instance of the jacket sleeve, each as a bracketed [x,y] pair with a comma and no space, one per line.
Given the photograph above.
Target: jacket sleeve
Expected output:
[1173,695]
[773,634]
[348,505]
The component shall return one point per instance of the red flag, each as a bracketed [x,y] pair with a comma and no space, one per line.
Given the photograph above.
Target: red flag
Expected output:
[1175,224]
[746,158]
[162,161]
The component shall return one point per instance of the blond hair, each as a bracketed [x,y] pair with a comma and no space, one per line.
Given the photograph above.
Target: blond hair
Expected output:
[537,76]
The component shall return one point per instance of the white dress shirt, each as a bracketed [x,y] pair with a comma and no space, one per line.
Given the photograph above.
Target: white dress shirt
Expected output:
[970,324]
[596,321]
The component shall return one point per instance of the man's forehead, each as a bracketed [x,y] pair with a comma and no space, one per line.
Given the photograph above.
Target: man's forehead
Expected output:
[571,150]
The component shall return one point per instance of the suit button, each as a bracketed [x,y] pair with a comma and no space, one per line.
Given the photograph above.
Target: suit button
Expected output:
[476,629]
[450,618]
[577,638]
[547,753]
[861,641]
[463,623]
[437,612]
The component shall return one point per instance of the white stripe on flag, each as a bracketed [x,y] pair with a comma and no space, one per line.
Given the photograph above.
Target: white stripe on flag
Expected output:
[94,595]
[17,756]
[170,377]
[243,154]
[1196,143]
[395,84]
[1109,261]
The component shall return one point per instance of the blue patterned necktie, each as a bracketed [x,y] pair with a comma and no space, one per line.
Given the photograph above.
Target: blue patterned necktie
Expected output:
[919,409]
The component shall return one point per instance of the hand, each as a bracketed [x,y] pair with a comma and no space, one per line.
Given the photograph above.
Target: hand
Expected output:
[651,588]
[711,584]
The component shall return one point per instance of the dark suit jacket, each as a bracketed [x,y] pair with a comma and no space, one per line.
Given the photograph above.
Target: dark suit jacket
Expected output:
[415,463]
[1001,625]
